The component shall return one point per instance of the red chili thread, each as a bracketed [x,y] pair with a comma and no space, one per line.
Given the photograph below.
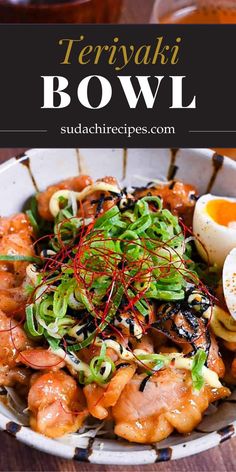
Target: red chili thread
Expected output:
[120,275]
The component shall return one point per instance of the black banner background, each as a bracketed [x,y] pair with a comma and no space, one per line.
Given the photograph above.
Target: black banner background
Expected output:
[207,58]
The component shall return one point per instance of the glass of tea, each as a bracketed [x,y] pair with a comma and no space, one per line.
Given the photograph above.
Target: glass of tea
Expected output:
[60,11]
[197,12]
[194,11]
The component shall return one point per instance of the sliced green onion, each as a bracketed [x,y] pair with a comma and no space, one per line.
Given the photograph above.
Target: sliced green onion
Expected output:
[158,360]
[19,258]
[165,295]
[111,313]
[108,219]
[97,364]
[53,343]
[30,322]
[142,249]
[141,225]
[61,297]
[198,362]
[32,221]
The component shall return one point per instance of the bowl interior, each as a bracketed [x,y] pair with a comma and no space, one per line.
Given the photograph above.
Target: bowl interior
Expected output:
[21,177]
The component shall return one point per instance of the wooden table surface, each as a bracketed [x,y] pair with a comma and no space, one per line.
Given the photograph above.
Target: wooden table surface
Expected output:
[15,456]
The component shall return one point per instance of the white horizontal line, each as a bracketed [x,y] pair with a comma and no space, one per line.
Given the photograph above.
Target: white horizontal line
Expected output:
[212,131]
[23,130]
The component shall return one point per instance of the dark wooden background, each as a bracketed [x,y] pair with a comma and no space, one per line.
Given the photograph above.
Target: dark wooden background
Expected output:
[15,456]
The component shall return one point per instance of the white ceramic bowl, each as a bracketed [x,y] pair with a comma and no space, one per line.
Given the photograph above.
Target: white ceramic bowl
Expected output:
[21,177]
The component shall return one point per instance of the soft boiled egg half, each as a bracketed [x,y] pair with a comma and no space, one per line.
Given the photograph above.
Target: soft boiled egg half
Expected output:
[214,225]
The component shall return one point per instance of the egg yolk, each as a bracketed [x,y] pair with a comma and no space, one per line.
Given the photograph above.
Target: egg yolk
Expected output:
[222,212]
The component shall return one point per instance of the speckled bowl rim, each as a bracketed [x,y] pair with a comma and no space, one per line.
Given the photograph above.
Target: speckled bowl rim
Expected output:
[98,455]
[127,454]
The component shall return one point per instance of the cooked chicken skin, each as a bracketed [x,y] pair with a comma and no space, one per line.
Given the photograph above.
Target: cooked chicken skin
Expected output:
[76,183]
[214,360]
[100,399]
[87,354]
[56,404]
[13,340]
[40,359]
[15,239]
[179,198]
[205,338]
[146,343]
[167,402]
[91,206]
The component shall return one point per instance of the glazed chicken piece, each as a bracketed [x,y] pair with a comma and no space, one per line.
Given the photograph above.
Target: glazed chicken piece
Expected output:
[76,183]
[87,354]
[146,343]
[40,359]
[182,324]
[99,202]
[233,368]
[13,340]
[179,198]
[13,300]
[230,362]
[94,204]
[100,399]
[56,404]
[147,413]
[214,360]
[16,224]
[15,239]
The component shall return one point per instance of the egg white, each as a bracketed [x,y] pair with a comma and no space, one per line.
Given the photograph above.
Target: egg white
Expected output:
[217,240]
[229,282]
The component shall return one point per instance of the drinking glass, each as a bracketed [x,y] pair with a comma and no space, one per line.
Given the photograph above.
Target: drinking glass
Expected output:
[197,12]
[60,11]
[194,11]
